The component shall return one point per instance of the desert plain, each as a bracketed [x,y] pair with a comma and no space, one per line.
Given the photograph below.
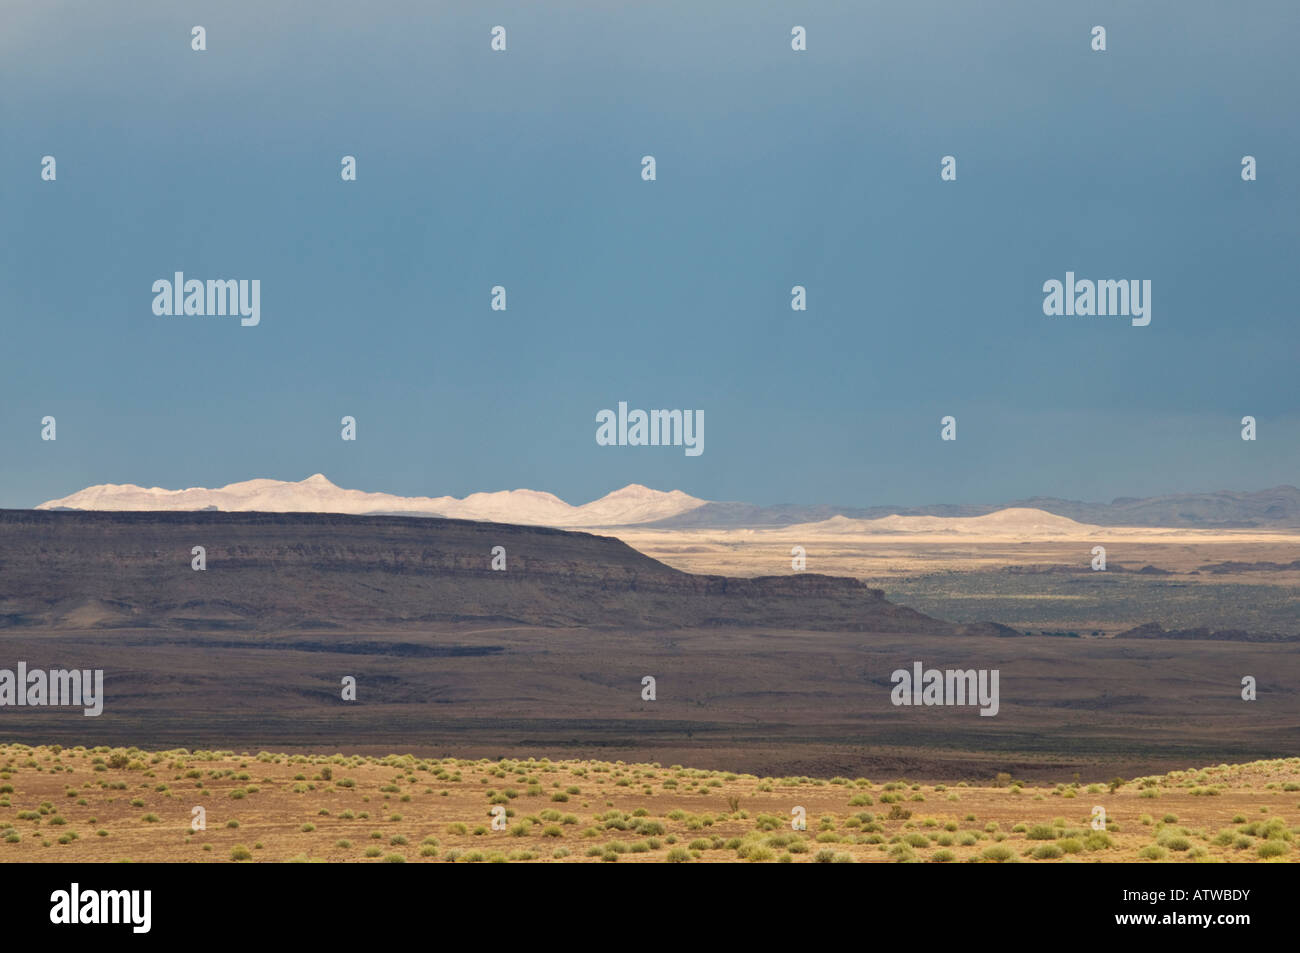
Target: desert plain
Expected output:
[103,805]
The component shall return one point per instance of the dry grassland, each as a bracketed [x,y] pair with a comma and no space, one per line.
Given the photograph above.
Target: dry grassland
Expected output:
[106,804]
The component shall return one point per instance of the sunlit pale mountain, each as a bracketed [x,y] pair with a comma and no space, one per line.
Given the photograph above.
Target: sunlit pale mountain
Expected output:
[638,505]
[316,494]
[1012,521]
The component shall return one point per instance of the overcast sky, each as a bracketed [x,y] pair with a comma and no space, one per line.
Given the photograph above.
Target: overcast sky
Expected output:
[775,168]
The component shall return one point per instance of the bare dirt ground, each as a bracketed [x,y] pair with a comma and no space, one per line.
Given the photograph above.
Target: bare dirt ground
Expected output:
[103,804]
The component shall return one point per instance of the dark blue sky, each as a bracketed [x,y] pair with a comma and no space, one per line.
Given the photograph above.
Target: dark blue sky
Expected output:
[775,168]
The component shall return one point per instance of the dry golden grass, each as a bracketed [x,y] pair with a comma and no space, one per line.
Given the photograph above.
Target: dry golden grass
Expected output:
[125,804]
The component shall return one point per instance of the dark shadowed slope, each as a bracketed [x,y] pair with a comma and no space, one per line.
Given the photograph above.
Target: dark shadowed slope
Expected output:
[272,571]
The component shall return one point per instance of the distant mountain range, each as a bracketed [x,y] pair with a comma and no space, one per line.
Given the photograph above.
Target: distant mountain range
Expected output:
[1014,521]
[631,505]
[1278,507]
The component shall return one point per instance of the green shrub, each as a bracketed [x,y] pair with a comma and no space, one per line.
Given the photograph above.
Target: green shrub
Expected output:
[999,854]
[1098,840]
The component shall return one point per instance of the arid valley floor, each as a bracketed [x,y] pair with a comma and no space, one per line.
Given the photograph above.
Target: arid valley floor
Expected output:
[784,674]
[130,805]
[1181,578]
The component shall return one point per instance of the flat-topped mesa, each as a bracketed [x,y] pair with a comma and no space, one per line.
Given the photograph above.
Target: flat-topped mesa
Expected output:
[275,570]
[1154,630]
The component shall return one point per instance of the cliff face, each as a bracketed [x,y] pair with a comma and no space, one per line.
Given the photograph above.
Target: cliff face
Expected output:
[269,571]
